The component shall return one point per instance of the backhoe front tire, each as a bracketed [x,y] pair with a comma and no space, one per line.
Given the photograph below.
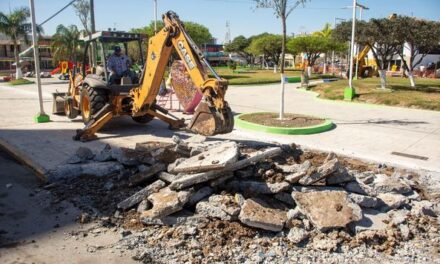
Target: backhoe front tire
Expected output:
[92,100]
[143,119]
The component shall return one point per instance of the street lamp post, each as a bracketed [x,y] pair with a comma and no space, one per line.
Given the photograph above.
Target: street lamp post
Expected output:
[155,16]
[41,117]
[349,91]
[361,8]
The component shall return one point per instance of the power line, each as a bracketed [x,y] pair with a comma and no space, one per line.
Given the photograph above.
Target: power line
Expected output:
[59,11]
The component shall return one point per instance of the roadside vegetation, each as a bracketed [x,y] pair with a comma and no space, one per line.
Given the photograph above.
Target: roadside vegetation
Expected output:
[426,94]
[20,82]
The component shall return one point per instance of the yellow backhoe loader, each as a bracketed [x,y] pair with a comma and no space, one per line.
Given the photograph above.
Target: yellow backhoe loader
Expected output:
[98,101]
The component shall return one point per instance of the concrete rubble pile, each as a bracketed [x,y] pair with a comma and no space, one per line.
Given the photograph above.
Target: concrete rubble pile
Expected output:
[322,204]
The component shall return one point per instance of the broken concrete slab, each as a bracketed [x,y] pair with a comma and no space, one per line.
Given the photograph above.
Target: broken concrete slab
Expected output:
[386,184]
[105,154]
[213,159]
[360,188]
[327,209]
[299,173]
[285,198]
[97,169]
[222,207]
[82,154]
[166,202]
[254,187]
[398,217]
[296,235]
[322,172]
[167,177]
[165,155]
[316,188]
[200,194]
[192,179]
[143,206]
[392,200]
[421,208]
[255,214]
[127,157]
[141,195]
[340,176]
[145,175]
[363,200]
[219,181]
[371,220]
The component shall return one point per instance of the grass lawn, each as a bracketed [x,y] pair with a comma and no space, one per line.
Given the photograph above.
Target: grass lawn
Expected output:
[426,95]
[20,82]
[243,76]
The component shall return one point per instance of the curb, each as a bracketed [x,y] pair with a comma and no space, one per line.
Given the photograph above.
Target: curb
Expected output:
[23,159]
[326,126]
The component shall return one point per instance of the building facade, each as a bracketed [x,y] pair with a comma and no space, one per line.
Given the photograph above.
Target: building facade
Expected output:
[7,58]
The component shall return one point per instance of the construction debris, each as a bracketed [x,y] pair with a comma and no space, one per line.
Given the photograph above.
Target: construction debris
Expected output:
[189,190]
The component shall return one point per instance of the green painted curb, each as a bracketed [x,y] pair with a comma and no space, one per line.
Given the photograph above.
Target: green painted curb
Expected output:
[349,94]
[326,126]
[293,79]
[39,118]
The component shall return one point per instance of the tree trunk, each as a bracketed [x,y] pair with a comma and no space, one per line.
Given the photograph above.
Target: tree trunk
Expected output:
[383,78]
[283,46]
[411,78]
[324,71]
[18,73]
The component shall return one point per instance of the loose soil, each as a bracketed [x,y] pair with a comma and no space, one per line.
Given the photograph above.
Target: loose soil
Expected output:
[289,121]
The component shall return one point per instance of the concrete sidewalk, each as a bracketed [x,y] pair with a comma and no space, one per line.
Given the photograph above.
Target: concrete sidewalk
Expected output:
[370,132]
[367,132]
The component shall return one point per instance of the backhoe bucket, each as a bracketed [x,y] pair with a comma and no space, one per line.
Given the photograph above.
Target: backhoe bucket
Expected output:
[208,121]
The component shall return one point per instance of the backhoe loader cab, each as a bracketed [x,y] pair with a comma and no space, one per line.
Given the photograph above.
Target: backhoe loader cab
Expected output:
[104,43]
[98,100]
[90,89]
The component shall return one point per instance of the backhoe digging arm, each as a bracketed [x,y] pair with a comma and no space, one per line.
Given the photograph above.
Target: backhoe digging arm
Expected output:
[213,115]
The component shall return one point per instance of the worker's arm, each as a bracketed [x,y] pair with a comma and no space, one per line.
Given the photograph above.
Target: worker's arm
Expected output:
[111,64]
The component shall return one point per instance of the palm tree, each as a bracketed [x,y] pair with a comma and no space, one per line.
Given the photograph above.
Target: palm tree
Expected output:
[326,32]
[65,43]
[15,26]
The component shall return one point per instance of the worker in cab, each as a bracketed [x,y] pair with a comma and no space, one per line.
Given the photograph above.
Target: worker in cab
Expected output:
[118,65]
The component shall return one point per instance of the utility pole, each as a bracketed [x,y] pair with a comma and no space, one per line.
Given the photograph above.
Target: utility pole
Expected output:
[361,8]
[349,91]
[155,16]
[41,117]
[93,30]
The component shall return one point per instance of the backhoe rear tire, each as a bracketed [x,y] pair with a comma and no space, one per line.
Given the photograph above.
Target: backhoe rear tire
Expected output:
[143,119]
[92,100]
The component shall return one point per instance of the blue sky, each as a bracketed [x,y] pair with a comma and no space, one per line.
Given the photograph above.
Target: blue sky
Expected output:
[241,14]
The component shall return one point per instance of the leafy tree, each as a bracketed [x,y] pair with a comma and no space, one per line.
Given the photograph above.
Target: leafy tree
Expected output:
[268,45]
[16,26]
[380,35]
[312,46]
[282,9]
[65,43]
[239,46]
[419,37]
[326,32]
[199,33]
